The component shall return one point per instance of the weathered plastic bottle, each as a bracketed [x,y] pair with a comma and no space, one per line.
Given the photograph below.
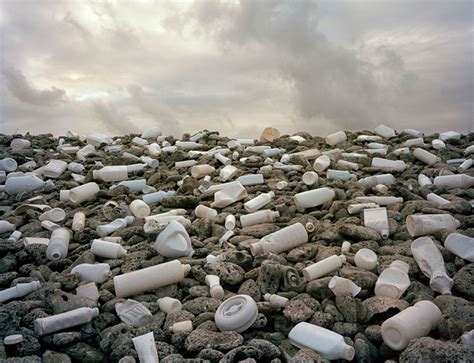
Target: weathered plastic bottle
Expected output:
[426,156]
[423,224]
[215,288]
[19,290]
[365,258]
[341,286]
[107,249]
[262,216]
[185,326]
[314,197]
[438,144]
[381,163]
[139,208]
[384,131]
[340,174]
[20,144]
[276,300]
[327,343]
[150,278]
[282,184]
[251,179]
[203,211]
[133,313]
[460,245]
[345,247]
[237,313]
[174,241]
[88,290]
[414,322]
[283,240]
[229,223]
[432,197]
[336,138]
[377,219]
[200,171]
[76,167]
[414,133]
[393,281]
[344,164]
[258,202]
[454,181]
[323,267]
[83,152]
[58,244]
[372,181]
[157,196]
[83,193]
[414,142]
[26,183]
[169,305]
[321,163]
[14,237]
[184,164]
[151,133]
[96,272]
[310,178]
[115,225]
[65,320]
[228,196]
[78,222]
[113,173]
[424,181]
[54,215]
[380,200]
[6,226]
[465,165]
[356,208]
[8,165]
[146,348]
[431,263]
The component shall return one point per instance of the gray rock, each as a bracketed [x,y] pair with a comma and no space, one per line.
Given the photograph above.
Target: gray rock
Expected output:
[229,273]
[269,278]
[427,349]
[54,357]
[200,339]
[297,311]
[380,304]
[250,287]
[464,281]
[201,305]
[84,352]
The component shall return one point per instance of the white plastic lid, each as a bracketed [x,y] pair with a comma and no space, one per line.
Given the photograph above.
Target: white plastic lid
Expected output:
[237,313]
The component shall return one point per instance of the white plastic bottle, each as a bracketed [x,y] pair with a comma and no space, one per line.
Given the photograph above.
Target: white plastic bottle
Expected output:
[258,202]
[323,267]
[146,348]
[366,259]
[58,244]
[203,211]
[414,322]
[19,290]
[384,131]
[78,222]
[169,305]
[20,144]
[314,197]
[174,241]
[342,286]
[139,208]
[327,343]
[96,272]
[384,200]
[115,225]
[157,196]
[276,300]
[310,178]
[54,215]
[339,174]
[453,181]
[465,165]
[393,281]
[228,196]
[336,138]
[6,226]
[112,173]
[377,219]
[185,326]
[460,245]
[262,216]
[283,240]
[150,278]
[423,180]
[8,165]
[107,249]
[54,168]
[426,156]
[432,197]
[83,193]
[372,181]
[438,144]
[229,223]
[347,165]
[14,237]
[26,183]
[65,320]
[321,163]
[423,224]
[151,133]
[133,313]
[251,179]
[215,288]
[200,171]
[381,163]
[75,167]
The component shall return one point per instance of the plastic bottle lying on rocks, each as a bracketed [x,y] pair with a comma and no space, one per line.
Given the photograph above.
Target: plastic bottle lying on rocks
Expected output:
[377,219]
[58,244]
[228,196]
[83,193]
[96,272]
[14,237]
[258,202]
[19,290]
[460,245]
[54,215]
[347,165]
[229,223]
[54,168]
[203,211]
[115,225]
[251,179]
[310,178]
[174,241]
[366,259]
[200,171]
[283,240]
[327,343]
[23,184]
[323,267]
[276,300]
[340,174]
[313,198]
[414,322]
[453,181]
[182,327]
[146,348]
[424,224]
[156,197]
[113,173]
[345,247]
[426,156]
[393,281]
[133,313]
[78,222]
[6,226]
[107,249]
[356,208]
[88,290]
[372,181]
[336,138]
[384,131]
[169,305]
[151,133]
[237,313]
[432,197]
[139,208]
[431,263]
[341,286]
[65,320]
[215,288]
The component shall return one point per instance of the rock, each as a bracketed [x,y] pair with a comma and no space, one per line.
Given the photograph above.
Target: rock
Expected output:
[84,352]
[269,351]
[200,339]
[250,287]
[269,278]
[380,304]
[297,311]
[319,288]
[457,318]
[54,357]
[427,349]
[211,355]
[359,232]
[364,279]
[241,354]
[200,305]
[464,281]
[229,273]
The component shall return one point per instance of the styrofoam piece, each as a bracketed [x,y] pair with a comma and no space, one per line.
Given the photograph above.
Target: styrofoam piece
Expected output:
[326,343]
[258,202]
[384,131]
[96,272]
[203,211]
[382,201]
[262,216]
[83,193]
[185,326]
[313,198]
[425,156]
[13,339]
[107,249]
[23,184]
[174,241]
[8,165]
[432,197]
[105,229]
[424,224]
[414,322]
[377,219]
[215,288]
[251,179]
[54,215]
[88,290]
[454,181]
[151,133]
[133,313]
[460,245]
[381,163]
[229,223]
[282,184]
[58,244]
[6,226]
[465,165]
[237,313]
[65,320]
[228,196]
[169,305]
[156,197]
[340,174]
[276,300]
[371,181]
[342,286]
[321,163]
[393,281]
[431,263]
[345,247]
[146,348]
[310,178]
[150,278]
[19,290]
[283,240]
[323,267]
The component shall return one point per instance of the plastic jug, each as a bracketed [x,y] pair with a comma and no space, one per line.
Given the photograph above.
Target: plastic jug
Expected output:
[258,202]
[96,272]
[423,224]
[174,241]
[283,240]
[377,219]
[460,245]
[393,281]
[323,267]
[314,198]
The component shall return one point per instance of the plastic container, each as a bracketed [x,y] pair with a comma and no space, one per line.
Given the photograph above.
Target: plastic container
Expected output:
[372,181]
[377,219]
[465,165]
[424,224]
[184,164]
[151,133]
[6,226]
[452,181]
[345,247]
[169,305]
[414,322]
[23,184]
[113,226]
[78,222]
[310,178]
[431,263]
[251,179]
[83,193]
[229,223]
[310,227]
[414,133]
[263,216]
[414,142]
[14,237]
[269,134]
[380,163]
[13,339]
[114,173]
[54,215]
[336,138]
[228,172]
[88,290]
[426,156]
[424,181]
[321,163]
[432,197]
[448,135]
[139,208]
[152,163]
[146,348]
[224,160]
[8,165]
[393,281]
[182,327]
[76,167]
[156,197]
[326,343]
[380,200]
[280,241]
[366,259]
[347,165]
[65,320]
[200,171]
[54,168]
[133,313]
[384,131]
[276,300]
[341,286]
[237,313]
[203,211]
[174,241]
[64,195]
[438,144]
[228,196]
[150,278]
[460,245]
[98,139]
[258,202]
[323,267]
[19,290]
[282,184]
[20,144]
[215,288]
[313,198]
[96,272]
[84,152]
[58,244]
[340,174]
[107,249]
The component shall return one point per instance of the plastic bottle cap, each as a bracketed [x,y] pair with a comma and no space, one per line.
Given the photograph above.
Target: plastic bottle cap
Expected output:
[237,313]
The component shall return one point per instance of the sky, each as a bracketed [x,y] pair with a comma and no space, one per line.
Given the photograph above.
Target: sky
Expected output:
[236,67]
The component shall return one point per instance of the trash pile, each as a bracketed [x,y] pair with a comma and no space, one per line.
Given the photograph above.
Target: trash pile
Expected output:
[143,248]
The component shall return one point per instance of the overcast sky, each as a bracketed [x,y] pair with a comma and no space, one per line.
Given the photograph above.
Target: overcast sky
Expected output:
[117,67]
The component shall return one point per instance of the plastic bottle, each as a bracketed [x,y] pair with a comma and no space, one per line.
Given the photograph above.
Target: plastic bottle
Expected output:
[8,165]
[414,133]
[6,226]
[112,173]
[380,200]
[65,320]
[134,185]
[276,300]
[345,247]
[54,168]
[372,181]
[96,272]
[465,165]
[19,290]
[323,267]
[327,343]
[88,290]
[452,181]
[169,305]
[200,171]
[14,237]
[384,131]
[98,139]
[431,263]
[336,138]
[282,184]
[269,134]
[262,216]
[150,278]
[423,180]
[423,224]
[146,348]
[438,144]
[448,135]
[228,196]
[393,281]
[86,150]
[75,167]
[339,174]
[283,240]
[203,211]
[310,227]
[237,313]
[314,197]
[377,219]
[107,249]
[380,163]
[64,195]
[139,208]
[432,197]
[215,288]
[251,179]
[152,163]
[347,165]
[182,327]
[83,193]
[310,178]
[20,144]
[78,222]
[356,208]
[366,259]
[151,133]
[224,160]
[414,322]
[133,313]
[341,286]
[113,226]
[414,142]
[157,196]
[184,164]
[23,184]
[426,156]
[460,245]
[229,223]
[58,244]
[258,202]
[174,241]
[321,163]
[54,215]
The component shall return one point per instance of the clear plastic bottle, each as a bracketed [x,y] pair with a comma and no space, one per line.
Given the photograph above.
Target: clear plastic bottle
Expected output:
[78,222]
[336,138]
[203,211]
[321,163]
[23,184]
[453,181]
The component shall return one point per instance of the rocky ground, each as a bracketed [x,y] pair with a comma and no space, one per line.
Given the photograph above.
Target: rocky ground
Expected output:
[358,319]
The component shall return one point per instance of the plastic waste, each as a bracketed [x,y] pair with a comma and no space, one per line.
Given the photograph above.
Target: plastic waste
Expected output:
[263,216]
[321,163]
[6,226]
[454,181]
[215,289]
[258,202]
[414,142]
[174,241]
[20,144]
[342,286]
[336,138]
[372,181]
[424,224]
[414,322]
[54,168]
[184,164]
[64,195]
[83,193]
[377,219]
[426,156]
[384,131]
[23,184]
[13,339]
[269,134]
[98,139]
[229,223]
[228,196]
[251,179]
[431,263]
[448,135]
[139,208]
[133,313]
[282,184]
[115,225]
[380,200]
[65,320]
[96,272]
[356,208]
[107,249]
[340,174]
[19,290]
[393,281]
[310,178]
[414,133]
[203,211]
[113,173]
[345,247]
[228,172]
[200,171]
[465,165]
[347,165]
[432,197]
[468,338]
[150,278]
[380,163]
[313,198]
[310,227]
[423,180]
[182,327]
[54,215]
[58,244]
[88,290]
[169,305]
[276,300]
[82,154]
[78,222]
[237,313]
[146,348]
[151,133]
[157,196]
[323,267]
[283,240]
[76,167]
[327,343]
[460,245]
[8,165]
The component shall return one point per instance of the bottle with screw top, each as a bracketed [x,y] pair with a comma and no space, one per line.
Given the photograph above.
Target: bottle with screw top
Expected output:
[283,240]
[215,289]
[258,202]
[58,244]
[323,267]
